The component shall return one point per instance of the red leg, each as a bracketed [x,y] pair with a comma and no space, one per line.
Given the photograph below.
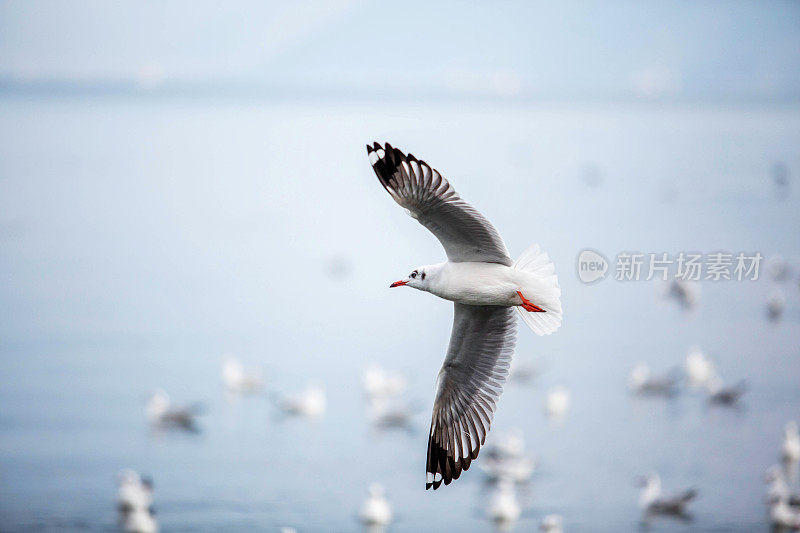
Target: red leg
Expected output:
[530,307]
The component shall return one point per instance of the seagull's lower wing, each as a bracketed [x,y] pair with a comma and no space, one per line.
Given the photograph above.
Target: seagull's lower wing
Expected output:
[468,387]
[464,232]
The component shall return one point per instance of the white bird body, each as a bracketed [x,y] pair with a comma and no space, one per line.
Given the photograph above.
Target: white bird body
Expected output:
[509,445]
[651,491]
[516,469]
[379,383]
[699,368]
[503,506]
[557,402]
[161,413]
[651,500]
[133,493]
[484,284]
[134,497]
[140,521]
[157,406]
[779,487]
[719,393]
[310,403]
[507,460]
[376,510]
[238,379]
[388,413]
[791,443]
[642,381]
[782,515]
[492,284]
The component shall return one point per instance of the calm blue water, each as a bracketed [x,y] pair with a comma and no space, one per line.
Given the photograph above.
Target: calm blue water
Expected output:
[140,240]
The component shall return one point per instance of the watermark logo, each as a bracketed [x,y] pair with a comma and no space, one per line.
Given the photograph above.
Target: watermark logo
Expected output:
[684,266]
[592,266]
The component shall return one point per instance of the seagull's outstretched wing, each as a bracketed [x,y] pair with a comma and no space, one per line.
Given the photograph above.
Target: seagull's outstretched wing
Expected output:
[469,385]
[465,234]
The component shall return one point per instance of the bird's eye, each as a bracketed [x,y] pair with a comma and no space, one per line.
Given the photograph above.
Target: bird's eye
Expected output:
[414,274]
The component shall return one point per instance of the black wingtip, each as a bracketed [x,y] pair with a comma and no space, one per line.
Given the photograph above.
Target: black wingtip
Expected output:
[386,165]
[443,465]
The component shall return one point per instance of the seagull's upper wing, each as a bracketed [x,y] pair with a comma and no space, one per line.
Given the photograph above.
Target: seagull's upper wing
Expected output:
[468,387]
[465,234]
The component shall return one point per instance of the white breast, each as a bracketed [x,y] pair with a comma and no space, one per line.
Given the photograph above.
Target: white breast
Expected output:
[477,284]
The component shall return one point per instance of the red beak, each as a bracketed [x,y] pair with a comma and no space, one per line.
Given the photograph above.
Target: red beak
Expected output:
[397,284]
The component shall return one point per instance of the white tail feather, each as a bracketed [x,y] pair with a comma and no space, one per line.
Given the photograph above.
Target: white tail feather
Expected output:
[541,288]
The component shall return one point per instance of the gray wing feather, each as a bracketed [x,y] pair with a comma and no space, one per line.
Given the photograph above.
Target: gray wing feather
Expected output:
[468,387]
[465,234]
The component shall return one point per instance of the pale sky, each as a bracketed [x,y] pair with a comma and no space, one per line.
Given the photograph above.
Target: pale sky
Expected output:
[691,50]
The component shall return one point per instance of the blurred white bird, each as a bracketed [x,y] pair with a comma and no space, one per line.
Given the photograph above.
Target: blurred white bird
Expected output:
[519,373]
[779,487]
[506,459]
[311,403]
[641,381]
[160,413]
[791,442]
[503,506]
[552,523]
[133,493]
[557,402]
[379,383]
[376,510]
[516,469]
[685,293]
[784,516]
[510,444]
[699,368]
[140,521]
[652,501]
[720,394]
[238,379]
[776,304]
[388,413]
[287,529]
[135,503]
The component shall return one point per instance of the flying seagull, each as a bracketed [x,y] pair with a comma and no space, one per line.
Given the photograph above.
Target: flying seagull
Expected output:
[485,286]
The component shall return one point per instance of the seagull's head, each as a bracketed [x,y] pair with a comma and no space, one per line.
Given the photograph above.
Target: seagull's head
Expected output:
[419,279]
